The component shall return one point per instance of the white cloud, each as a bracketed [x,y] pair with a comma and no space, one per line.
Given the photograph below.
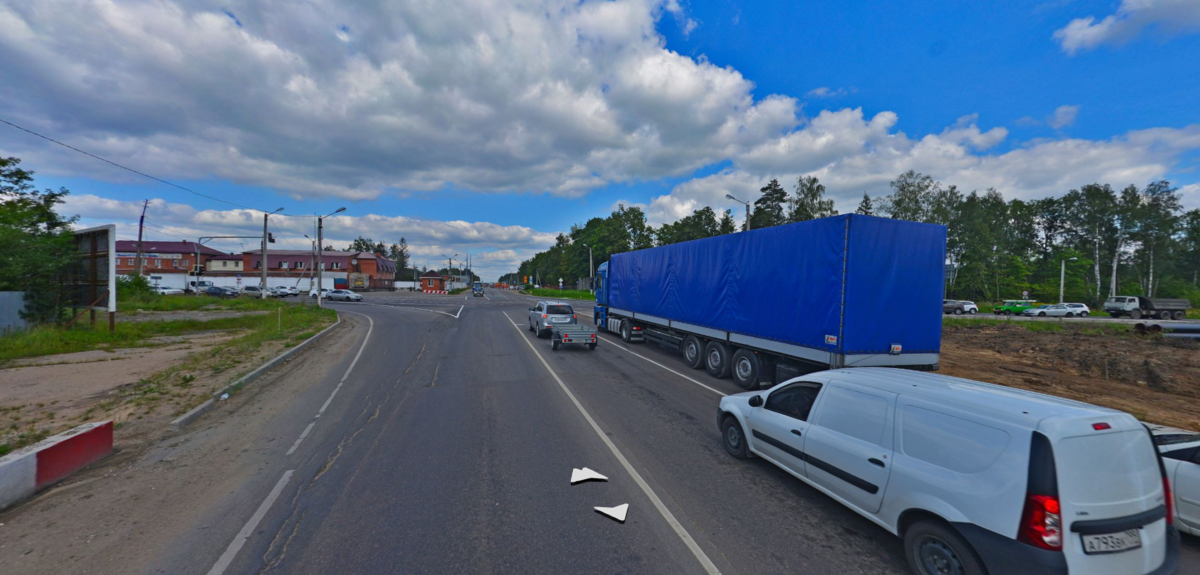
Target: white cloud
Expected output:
[1063,116]
[497,249]
[1133,16]
[826,92]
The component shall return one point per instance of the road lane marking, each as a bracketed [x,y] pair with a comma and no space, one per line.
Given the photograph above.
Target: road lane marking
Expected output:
[240,540]
[691,544]
[630,351]
[301,438]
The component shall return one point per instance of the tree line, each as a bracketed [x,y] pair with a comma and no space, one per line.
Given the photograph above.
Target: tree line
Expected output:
[1128,241]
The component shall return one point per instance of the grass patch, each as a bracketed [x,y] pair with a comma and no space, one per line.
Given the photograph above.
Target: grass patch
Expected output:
[562,294]
[51,340]
[457,291]
[155,302]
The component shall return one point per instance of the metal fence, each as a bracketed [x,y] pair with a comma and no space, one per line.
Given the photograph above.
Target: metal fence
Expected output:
[12,303]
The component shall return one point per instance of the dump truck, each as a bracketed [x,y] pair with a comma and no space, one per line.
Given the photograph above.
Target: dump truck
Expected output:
[767,305]
[1138,307]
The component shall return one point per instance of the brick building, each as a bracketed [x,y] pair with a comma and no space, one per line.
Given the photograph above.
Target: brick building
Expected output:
[353,270]
[164,263]
[433,281]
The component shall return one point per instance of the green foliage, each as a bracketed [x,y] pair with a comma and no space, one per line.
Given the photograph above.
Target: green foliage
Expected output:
[769,207]
[135,288]
[701,224]
[809,202]
[38,243]
[865,208]
[560,294]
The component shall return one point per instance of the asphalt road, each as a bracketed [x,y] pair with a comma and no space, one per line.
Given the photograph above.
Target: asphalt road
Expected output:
[445,444]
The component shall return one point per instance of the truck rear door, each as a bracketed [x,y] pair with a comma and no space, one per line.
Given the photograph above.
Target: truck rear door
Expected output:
[849,446]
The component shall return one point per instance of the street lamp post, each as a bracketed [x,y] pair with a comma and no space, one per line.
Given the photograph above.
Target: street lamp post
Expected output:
[1062,277]
[262,288]
[591,270]
[312,259]
[450,269]
[747,204]
[320,252]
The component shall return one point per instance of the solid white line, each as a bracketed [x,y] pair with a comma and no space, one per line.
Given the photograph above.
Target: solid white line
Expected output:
[301,438]
[455,316]
[240,540]
[459,312]
[705,562]
[627,350]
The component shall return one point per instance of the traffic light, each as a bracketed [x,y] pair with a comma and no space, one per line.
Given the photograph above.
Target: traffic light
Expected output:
[198,270]
[271,237]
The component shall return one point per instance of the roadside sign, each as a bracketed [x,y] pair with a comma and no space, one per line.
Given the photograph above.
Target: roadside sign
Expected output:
[1025,294]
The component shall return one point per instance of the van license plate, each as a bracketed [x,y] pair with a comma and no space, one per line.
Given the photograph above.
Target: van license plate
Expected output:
[1112,542]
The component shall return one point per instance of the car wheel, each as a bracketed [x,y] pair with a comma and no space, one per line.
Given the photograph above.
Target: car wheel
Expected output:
[625,331]
[973,312]
[957,312]
[733,438]
[934,548]
[1007,312]
[693,352]
[1069,314]
[530,325]
[745,369]
[1041,314]
[541,330]
[716,359]
[1083,314]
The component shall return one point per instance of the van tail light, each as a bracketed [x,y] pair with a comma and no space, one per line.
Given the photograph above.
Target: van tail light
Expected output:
[1170,501]
[1041,523]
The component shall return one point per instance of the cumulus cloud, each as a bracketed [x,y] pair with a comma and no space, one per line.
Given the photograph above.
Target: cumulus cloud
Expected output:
[826,92]
[556,96]
[1062,117]
[1133,16]
[496,249]
[852,154]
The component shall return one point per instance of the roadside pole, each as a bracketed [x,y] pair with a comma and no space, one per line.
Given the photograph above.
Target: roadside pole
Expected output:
[320,252]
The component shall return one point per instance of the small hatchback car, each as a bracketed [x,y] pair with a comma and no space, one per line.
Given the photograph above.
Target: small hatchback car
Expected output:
[976,478]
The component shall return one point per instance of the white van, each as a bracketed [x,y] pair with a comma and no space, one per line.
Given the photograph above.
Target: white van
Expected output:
[977,478]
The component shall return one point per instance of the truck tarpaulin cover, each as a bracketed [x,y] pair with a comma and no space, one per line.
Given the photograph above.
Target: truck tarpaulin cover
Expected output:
[786,284]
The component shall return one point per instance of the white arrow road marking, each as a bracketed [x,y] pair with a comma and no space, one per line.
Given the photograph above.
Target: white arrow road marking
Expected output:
[585,474]
[617,512]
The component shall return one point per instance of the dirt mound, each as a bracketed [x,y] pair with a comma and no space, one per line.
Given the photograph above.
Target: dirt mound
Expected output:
[1154,378]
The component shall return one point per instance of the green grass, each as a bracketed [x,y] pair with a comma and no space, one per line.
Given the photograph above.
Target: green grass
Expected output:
[51,340]
[561,294]
[457,291]
[155,302]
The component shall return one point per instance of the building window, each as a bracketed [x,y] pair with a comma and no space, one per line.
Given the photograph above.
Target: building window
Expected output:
[158,263]
[258,264]
[337,265]
[299,265]
[283,265]
[224,264]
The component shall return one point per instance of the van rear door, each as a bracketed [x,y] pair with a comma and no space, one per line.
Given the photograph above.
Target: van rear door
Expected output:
[1111,491]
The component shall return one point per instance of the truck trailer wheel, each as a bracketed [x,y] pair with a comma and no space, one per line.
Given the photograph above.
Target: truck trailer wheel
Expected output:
[746,369]
[693,352]
[716,359]
[1164,315]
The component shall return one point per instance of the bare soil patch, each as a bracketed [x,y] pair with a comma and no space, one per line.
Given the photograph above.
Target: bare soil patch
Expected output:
[1153,378]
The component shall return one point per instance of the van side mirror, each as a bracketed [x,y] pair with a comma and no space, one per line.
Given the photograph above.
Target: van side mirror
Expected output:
[532,309]
[756,401]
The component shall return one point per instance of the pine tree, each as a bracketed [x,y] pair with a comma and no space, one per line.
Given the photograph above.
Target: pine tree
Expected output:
[768,208]
[864,207]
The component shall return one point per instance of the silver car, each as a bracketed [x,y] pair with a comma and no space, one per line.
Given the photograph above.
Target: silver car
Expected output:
[343,295]
[1058,310]
[547,313]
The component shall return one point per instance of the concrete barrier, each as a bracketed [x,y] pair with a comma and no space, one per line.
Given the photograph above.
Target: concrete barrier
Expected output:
[32,469]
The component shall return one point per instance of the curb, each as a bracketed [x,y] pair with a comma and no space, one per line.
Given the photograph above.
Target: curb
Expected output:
[187,418]
[32,469]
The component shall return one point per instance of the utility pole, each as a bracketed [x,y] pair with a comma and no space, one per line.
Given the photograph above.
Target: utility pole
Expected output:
[1062,277]
[591,270]
[262,287]
[747,204]
[141,225]
[320,252]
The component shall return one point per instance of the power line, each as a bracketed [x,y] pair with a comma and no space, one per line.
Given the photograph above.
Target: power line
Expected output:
[190,191]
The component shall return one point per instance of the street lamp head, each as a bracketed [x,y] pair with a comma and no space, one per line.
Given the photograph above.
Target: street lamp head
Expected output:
[730,197]
[277,211]
[339,210]
[1073,259]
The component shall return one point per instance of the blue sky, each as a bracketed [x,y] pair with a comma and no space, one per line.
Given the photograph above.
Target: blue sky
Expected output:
[490,132]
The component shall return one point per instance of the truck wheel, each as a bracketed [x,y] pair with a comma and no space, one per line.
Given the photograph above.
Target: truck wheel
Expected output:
[625,331]
[1136,314]
[693,352]
[1178,315]
[716,359]
[1164,315]
[1114,314]
[933,547]
[746,369]
[733,438]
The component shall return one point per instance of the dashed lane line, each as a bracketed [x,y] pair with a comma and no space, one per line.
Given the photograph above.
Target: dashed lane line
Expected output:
[236,545]
[691,544]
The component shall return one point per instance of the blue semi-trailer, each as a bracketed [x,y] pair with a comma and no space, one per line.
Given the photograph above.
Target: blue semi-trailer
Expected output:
[767,305]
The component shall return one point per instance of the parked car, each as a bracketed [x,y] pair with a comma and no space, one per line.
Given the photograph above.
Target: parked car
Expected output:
[217,291]
[324,293]
[547,313]
[976,478]
[1014,306]
[1058,310]
[953,306]
[970,307]
[164,290]
[1078,310]
[1181,458]
[343,295]
[292,291]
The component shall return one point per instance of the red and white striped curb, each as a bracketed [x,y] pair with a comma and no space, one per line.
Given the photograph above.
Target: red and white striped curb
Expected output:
[34,468]
[435,291]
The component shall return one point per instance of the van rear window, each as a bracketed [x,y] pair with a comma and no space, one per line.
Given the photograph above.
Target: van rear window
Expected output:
[1107,467]
[950,442]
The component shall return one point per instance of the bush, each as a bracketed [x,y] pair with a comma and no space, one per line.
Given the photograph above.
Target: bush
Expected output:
[135,287]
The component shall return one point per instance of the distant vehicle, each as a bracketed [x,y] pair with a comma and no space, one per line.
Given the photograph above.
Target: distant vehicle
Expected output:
[164,290]
[292,290]
[476,289]
[198,286]
[572,334]
[758,321]
[970,307]
[324,293]
[277,292]
[1014,306]
[1078,310]
[975,478]
[343,295]
[220,292]
[953,306]
[1039,311]
[1138,307]
[253,291]
[547,313]
[1181,458]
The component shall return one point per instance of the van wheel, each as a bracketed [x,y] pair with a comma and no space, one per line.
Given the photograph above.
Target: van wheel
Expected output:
[693,352]
[745,369]
[733,438]
[934,548]
[716,359]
